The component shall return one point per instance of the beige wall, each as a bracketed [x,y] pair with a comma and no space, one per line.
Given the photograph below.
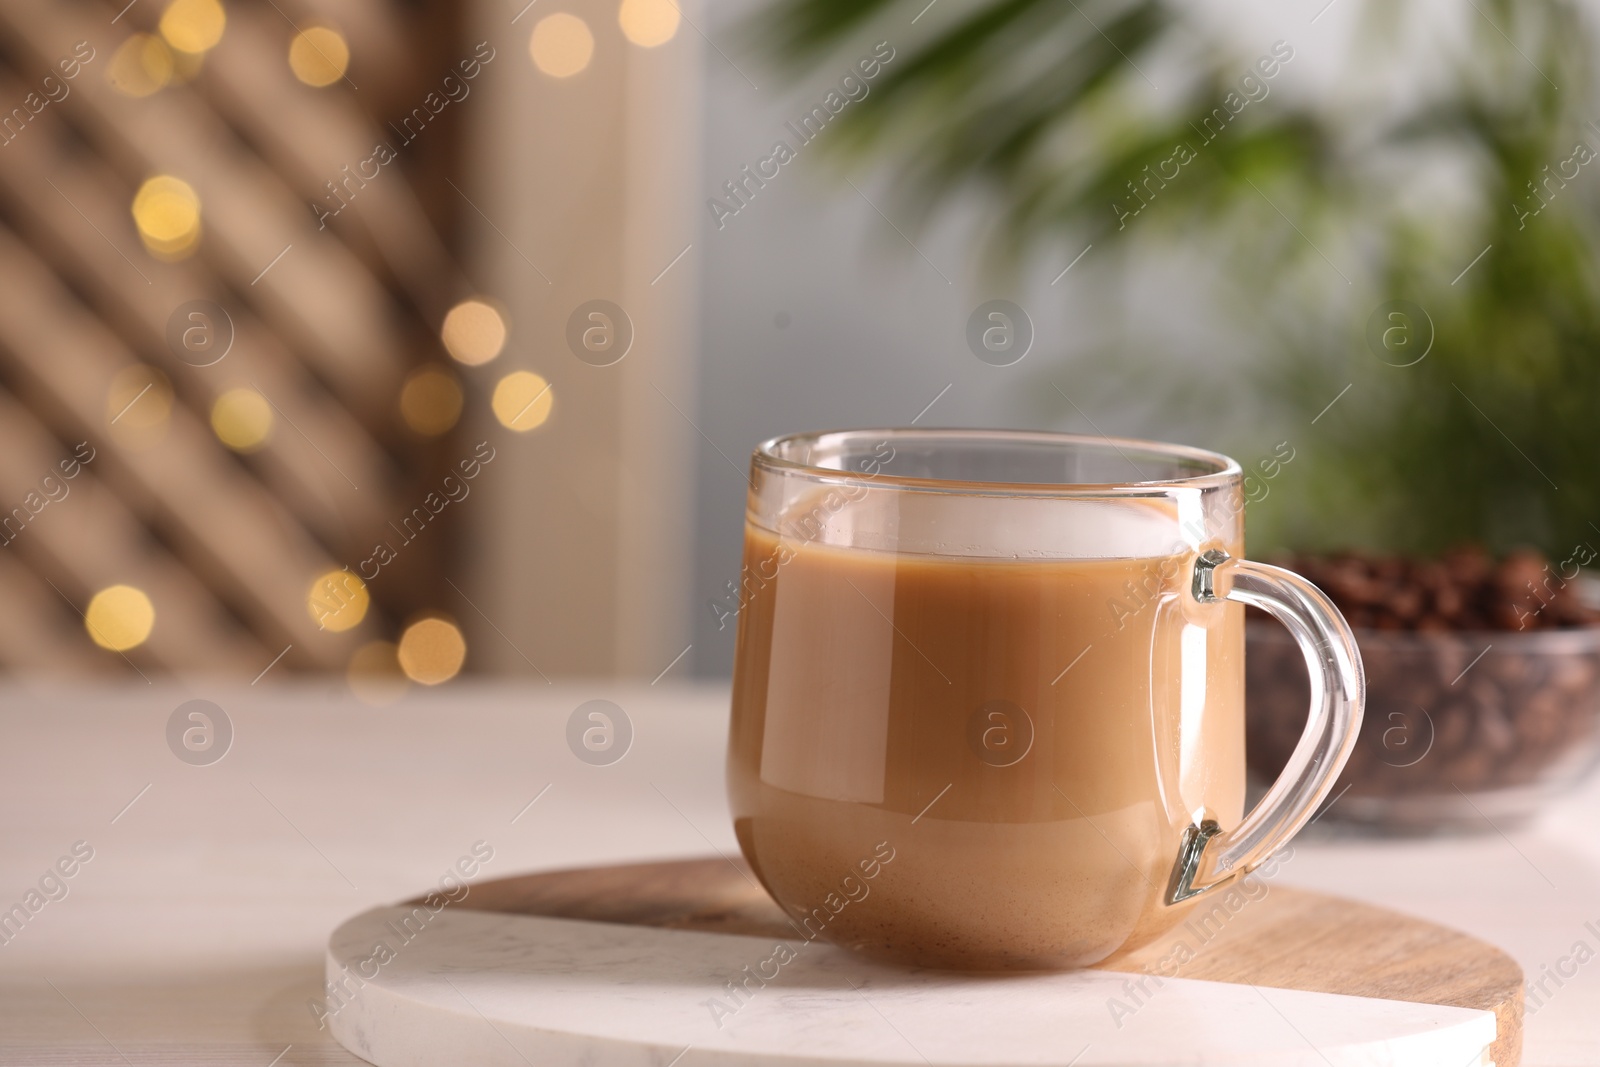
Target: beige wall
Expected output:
[580,560]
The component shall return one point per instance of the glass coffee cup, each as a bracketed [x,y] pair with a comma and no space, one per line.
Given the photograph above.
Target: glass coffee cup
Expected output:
[988,701]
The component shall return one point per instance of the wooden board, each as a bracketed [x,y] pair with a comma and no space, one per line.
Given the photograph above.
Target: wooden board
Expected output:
[1287,939]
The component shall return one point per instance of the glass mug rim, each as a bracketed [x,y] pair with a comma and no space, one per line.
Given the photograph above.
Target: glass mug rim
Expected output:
[782,455]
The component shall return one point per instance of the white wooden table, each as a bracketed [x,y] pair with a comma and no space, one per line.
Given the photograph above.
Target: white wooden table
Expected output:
[195,934]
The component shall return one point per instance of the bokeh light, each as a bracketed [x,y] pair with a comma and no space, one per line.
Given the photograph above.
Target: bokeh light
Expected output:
[474,332]
[119,617]
[374,674]
[186,66]
[432,651]
[193,25]
[140,66]
[648,23]
[338,600]
[561,45]
[319,56]
[430,401]
[522,401]
[138,406]
[167,212]
[242,419]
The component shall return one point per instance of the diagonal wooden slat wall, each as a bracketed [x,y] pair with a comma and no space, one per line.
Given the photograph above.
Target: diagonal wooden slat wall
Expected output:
[308,482]
[227,546]
[89,539]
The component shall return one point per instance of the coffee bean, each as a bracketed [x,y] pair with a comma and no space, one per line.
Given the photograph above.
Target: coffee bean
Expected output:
[1449,659]
[1540,718]
[1448,600]
[1452,724]
[1494,734]
[1482,710]
[1467,563]
[1508,670]
[1471,770]
[1572,674]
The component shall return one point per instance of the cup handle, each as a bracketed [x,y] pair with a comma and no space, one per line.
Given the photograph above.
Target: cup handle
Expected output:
[1210,856]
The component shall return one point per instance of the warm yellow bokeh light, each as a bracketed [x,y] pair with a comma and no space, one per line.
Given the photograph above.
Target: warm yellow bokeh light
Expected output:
[319,56]
[374,674]
[193,25]
[474,332]
[166,208]
[167,212]
[561,45]
[140,66]
[648,23]
[431,651]
[138,406]
[119,617]
[430,401]
[242,419]
[338,601]
[186,66]
[522,401]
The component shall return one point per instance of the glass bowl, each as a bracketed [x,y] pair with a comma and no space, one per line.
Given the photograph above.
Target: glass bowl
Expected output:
[1463,730]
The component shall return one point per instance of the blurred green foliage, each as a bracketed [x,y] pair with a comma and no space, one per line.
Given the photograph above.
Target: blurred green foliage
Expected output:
[1317,210]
